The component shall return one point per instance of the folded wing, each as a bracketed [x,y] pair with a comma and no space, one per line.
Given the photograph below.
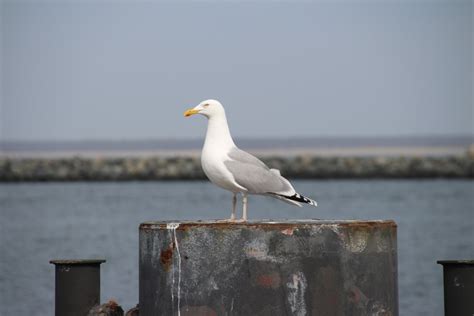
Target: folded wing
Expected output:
[251,173]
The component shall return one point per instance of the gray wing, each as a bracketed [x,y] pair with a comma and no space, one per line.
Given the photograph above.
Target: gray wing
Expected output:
[251,173]
[244,157]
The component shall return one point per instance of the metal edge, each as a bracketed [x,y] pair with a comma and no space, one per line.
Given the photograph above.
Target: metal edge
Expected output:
[455,262]
[71,262]
[265,224]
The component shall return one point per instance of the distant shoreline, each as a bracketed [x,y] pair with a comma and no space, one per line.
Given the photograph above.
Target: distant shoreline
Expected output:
[314,158]
[189,167]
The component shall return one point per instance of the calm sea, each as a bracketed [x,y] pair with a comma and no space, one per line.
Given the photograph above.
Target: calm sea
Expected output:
[41,221]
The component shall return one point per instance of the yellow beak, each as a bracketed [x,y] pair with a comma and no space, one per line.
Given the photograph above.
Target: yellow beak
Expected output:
[190,112]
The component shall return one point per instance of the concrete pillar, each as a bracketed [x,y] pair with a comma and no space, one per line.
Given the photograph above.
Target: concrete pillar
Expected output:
[308,267]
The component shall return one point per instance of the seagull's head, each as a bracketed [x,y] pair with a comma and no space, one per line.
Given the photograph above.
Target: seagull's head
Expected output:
[208,108]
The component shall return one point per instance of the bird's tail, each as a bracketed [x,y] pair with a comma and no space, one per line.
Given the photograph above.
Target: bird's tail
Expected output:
[298,198]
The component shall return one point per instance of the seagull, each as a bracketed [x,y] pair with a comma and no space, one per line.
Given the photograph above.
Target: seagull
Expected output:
[235,170]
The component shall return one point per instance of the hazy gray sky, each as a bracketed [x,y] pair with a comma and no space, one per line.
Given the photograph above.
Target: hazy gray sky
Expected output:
[128,70]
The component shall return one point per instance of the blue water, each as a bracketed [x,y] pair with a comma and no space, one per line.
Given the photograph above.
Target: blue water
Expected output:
[42,221]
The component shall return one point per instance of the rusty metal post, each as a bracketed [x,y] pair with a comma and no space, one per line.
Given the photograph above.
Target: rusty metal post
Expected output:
[77,286]
[268,268]
[458,277]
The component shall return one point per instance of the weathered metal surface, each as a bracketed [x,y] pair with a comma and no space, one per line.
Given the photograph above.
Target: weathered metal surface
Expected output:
[298,268]
[134,311]
[77,286]
[111,308]
[458,278]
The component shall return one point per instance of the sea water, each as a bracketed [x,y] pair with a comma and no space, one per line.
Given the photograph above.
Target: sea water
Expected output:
[43,221]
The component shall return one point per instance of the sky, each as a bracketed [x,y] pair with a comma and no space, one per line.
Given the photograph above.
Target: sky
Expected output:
[124,70]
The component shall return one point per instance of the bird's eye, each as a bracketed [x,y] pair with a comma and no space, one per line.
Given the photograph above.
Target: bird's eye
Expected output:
[205,105]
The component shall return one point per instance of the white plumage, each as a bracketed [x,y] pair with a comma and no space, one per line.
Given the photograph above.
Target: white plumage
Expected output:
[236,170]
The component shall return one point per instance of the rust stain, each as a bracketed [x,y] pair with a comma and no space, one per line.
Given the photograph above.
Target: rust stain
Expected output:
[112,304]
[288,231]
[357,297]
[166,257]
[272,280]
[354,296]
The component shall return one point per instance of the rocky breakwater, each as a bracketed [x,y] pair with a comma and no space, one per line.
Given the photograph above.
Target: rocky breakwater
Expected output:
[189,168]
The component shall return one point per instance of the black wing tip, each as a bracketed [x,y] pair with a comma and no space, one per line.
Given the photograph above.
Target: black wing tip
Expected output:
[300,198]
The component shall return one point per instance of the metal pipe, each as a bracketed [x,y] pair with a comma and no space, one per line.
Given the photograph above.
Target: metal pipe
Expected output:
[458,277]
[268,268]
[77,286]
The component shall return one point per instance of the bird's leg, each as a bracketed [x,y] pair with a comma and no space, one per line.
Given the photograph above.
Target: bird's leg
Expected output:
[234,204]
[244,206]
